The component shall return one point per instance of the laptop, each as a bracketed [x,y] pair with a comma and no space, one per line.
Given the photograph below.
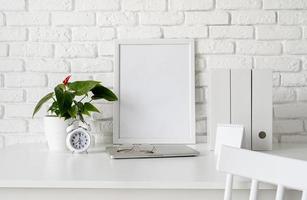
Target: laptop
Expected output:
[151,151]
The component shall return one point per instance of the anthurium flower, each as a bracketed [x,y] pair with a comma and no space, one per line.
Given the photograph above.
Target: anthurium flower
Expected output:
[65,82]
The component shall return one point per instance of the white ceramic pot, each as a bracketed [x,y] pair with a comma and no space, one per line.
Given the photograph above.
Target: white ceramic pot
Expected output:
[55,131]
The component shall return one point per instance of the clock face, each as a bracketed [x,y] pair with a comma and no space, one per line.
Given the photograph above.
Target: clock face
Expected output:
[79,140]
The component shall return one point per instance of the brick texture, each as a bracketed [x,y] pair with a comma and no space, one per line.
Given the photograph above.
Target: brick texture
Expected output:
[48,5]
[41,41]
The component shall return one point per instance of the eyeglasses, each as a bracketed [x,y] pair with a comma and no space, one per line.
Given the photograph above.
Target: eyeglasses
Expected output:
[138,148]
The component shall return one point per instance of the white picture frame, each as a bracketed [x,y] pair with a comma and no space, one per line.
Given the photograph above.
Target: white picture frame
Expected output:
[145,71]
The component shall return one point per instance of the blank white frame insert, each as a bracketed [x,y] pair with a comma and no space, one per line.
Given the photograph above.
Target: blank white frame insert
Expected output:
[154,80]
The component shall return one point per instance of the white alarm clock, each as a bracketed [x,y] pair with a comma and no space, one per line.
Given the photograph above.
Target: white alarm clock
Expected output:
[78,139]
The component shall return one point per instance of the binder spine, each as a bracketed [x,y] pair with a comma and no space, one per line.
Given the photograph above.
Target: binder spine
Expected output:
[262,114]
[219,102]
[241,102]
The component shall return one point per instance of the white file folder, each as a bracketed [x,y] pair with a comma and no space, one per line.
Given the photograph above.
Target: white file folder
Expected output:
[262,109]
[241,102]
[242,96]
[219,102]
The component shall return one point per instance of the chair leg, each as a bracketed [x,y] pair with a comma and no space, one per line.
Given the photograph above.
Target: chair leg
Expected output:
[280,192]
[304,195]
[254,190]
[228,188]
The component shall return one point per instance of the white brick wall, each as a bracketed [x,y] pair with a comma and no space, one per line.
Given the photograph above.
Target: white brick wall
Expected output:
[284,4]
[253,17]
[269,32]
[92,34]
[161,18]
[186,32]
[13,34]
[49,34]
[91,65]
[144,5]
[46,65]
[48,5]
[92,5]
[231,32]
[278,63]
[258,48]
[68,50]
[31,50]
[209,18]
[27,19]
[191,5]
[41,41]
[116,18]
[12,5]
[238,4]
[73,18]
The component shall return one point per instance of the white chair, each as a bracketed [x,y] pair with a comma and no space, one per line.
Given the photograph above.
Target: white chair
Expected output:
[261,167]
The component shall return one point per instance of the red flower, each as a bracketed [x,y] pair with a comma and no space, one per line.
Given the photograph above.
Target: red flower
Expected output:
[65,82]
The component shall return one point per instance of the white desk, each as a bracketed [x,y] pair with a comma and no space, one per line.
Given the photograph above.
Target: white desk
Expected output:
[30,171]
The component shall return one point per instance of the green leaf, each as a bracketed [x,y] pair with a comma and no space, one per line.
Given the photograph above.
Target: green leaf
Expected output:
[59,93]
[67,100]
[64,101]
[41,102]
[66,116]
[82,87]
[79,105]
[73,111]
[81,109]
[54,107]
[90,107]
[101,92]
[81,117]
[62,86]
[86,112]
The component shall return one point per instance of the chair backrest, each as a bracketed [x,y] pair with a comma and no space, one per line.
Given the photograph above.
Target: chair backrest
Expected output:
[261,167]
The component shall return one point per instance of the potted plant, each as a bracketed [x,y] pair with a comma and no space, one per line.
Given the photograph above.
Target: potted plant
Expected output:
[70,101]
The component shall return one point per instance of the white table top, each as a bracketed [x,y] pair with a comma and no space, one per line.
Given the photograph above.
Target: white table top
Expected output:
[33,166]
